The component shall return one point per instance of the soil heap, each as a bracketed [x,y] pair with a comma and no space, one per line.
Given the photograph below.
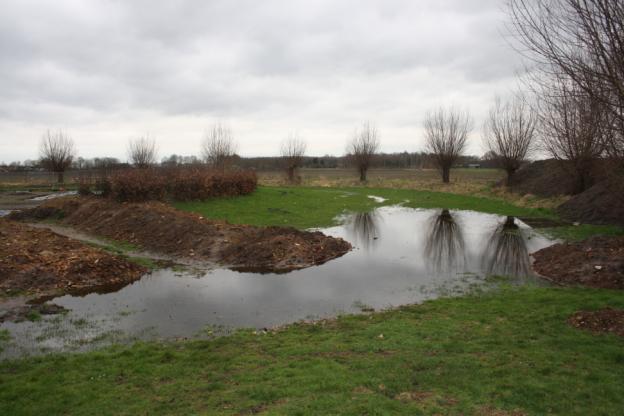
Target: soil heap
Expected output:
[39,262]
[595,262]
[160,228]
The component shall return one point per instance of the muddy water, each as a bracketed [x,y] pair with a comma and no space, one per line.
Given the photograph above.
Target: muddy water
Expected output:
[401,256]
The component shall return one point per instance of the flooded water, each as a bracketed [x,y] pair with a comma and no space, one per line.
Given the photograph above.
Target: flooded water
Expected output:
[400,256]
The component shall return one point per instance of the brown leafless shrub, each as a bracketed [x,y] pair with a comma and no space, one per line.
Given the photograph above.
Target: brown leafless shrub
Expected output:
[293,150]
[446,133]
[509,133]
[218,147]
[57,151]
[179,183]
[573,126]
[362,148]
[579,40]
[142,152]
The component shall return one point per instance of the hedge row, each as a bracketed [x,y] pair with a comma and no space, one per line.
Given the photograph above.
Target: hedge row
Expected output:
[180,184]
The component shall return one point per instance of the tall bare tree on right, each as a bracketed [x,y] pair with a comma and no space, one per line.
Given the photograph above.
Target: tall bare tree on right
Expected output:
[446,133]
[142,152]
[293,151]
[57,151]
[575,128]
[362,148]
[581,41]
[509,133]
[218,147]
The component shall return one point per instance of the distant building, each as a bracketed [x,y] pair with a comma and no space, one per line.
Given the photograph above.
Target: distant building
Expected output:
[473,165]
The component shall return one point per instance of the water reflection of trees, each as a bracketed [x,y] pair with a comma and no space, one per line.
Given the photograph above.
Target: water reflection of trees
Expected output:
[445,247]
[506,253]
[365,228]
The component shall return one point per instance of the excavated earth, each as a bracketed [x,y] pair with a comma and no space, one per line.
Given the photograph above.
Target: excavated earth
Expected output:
[38,263]
[160,228]
[596,262]
[606,320]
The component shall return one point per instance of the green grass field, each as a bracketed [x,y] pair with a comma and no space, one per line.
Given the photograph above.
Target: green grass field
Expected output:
[489,354]
[305,207]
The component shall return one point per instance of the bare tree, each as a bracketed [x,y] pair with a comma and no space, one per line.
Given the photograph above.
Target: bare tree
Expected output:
[573,127]
[218,147]
[142,152]
[57,152]
[446,133]
[362,148]
[580,40]
[509,132]
[293,150]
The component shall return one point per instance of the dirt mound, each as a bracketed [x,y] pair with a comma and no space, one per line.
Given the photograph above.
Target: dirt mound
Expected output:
[603,203]
[606,320]
[280,249]
[545,178]
[595,262]
[42,263]
[161,228]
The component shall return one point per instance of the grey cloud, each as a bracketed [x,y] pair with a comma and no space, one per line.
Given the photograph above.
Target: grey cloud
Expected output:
[310,62]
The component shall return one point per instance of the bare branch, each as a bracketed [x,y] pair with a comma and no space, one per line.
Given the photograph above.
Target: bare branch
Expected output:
[446,133]
[218,147]
[509,132]
[574,128]
[362,148]
[142,152]
[293,150]
[57,152]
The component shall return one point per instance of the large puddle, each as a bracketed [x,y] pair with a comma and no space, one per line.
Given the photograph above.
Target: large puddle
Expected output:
[400,256]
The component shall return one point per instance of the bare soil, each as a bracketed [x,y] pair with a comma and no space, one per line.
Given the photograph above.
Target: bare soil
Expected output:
[603,203]
[160,228]
[606,320]
[596,262]
[40,263]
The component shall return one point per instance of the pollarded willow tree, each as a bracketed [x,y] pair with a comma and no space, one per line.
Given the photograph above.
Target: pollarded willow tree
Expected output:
[57,151]
[446,133]
[218,147]
[581,41]
[293,151]
[362,148]
[574,129]
[509,133]
[142,152]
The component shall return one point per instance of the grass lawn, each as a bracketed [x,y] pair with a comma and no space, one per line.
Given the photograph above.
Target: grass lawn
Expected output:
[305,207]
[491,354]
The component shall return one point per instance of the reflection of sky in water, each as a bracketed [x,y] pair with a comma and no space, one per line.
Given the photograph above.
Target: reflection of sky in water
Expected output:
[394,262]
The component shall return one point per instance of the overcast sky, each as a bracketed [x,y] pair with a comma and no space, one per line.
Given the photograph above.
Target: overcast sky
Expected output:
[107,71]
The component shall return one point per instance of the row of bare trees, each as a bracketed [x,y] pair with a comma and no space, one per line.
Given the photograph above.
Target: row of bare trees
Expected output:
[509,132]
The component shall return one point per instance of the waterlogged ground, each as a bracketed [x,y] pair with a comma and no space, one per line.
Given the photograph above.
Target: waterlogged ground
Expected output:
[401,256]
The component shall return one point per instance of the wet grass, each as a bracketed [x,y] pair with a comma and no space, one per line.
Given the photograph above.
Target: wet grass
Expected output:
[306,207]
[583,231]
[510,350]
[5,337]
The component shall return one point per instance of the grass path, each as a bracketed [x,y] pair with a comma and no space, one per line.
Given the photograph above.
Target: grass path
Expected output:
[506,351]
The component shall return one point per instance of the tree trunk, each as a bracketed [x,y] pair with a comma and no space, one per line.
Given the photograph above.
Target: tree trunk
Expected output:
[510,173]
[60,176]
[291,174]
[446,174]
[362,174]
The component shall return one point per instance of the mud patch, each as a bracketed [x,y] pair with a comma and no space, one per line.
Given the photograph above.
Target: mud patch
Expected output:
[596,262]
[606,320]
[163,229]
[41,263]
